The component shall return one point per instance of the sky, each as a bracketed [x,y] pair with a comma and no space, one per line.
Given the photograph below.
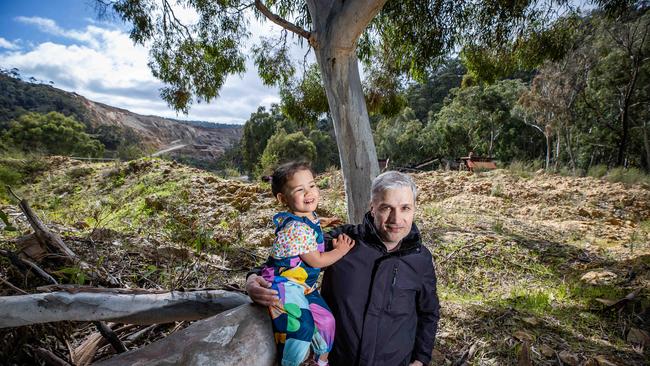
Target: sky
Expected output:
[64,42]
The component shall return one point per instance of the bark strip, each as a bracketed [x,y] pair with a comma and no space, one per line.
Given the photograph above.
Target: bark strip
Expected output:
[172,306]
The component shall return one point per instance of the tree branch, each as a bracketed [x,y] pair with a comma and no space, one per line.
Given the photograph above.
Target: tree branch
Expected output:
[110,336]
[353,18]
[280,21]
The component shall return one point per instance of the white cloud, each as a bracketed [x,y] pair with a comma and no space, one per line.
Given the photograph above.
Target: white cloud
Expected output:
[8,45]
[49,26]
[102,64]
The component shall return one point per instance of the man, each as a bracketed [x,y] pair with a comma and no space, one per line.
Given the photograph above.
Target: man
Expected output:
[383,292]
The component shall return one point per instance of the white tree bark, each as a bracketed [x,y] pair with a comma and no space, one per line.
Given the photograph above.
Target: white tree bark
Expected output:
[352,127]
[241,336]
[140,308]
[337,27]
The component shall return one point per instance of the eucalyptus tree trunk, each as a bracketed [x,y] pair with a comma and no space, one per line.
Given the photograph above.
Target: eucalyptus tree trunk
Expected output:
[646,144]
[337,27]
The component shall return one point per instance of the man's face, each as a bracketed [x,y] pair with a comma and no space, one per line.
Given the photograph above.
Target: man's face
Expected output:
[393,212]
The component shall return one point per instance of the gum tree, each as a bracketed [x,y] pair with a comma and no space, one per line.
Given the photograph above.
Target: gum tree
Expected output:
[393,39]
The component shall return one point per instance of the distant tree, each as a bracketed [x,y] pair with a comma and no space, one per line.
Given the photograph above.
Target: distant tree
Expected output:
[428,97]
[397,138]
[327,155]
[483,115]
[283,147]
[258,129]
[52,133]
[619,80]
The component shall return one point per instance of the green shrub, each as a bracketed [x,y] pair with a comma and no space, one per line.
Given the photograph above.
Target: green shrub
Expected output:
[627,176]
[597,171]
[53,133]
[521,169]
[16,168]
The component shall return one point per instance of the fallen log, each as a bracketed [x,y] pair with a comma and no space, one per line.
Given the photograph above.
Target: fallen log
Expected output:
[172,306]
[44,236]
[241,336]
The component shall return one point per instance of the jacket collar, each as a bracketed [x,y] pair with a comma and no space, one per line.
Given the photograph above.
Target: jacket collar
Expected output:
[411,241]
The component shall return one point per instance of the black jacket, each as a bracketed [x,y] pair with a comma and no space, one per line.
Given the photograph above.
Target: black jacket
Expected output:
[385,304]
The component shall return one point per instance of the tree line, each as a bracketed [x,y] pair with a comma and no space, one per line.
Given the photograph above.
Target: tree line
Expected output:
[586,105]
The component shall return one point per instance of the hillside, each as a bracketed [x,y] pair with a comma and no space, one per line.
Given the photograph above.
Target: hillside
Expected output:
[521,259]
[204,141]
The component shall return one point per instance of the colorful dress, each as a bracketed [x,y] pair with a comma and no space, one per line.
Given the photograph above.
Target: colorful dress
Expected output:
[302,317]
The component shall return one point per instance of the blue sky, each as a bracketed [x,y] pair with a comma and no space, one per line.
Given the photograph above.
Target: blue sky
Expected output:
[63,41]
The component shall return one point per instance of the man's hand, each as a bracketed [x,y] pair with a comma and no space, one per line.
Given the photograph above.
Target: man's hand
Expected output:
[343,243]
[260,292]
[416,363]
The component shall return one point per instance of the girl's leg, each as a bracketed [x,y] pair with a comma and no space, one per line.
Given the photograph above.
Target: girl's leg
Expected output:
[293,325]
[325,325]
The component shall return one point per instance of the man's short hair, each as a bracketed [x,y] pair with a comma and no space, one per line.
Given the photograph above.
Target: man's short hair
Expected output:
[391,180]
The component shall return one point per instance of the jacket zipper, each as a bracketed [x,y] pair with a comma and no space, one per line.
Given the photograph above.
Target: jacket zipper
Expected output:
[392,287]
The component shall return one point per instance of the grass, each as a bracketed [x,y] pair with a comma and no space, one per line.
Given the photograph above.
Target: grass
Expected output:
[524,169]
[628,176]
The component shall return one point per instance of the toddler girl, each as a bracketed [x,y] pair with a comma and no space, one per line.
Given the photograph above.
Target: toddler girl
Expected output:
[301,317]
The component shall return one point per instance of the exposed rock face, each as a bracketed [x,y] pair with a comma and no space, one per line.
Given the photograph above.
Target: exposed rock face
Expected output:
[159,132]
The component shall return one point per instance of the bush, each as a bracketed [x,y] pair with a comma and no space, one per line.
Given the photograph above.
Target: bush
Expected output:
[17,168]
[627,176]
[78,172]
[52,133]
[283,147]
[522,169]
[597,171]
[8,177]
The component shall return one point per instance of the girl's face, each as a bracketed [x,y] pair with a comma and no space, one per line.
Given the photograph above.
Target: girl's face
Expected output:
[300,193]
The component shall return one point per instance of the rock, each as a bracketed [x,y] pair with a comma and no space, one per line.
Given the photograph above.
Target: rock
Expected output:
[546,351]
[569,358]
[615,222]
[598,277]
[638,336]
[602,361]
[524,336]
[583,212]
[531,320]
[437,357]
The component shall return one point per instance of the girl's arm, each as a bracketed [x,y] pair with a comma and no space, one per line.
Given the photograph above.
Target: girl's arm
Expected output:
[342,245]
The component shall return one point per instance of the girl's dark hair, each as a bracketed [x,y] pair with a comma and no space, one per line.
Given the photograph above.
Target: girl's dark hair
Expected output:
[284,172]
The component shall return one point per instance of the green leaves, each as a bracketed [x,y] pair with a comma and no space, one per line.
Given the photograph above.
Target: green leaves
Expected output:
[272,60]
[52,133]
[5,219]
[193,59]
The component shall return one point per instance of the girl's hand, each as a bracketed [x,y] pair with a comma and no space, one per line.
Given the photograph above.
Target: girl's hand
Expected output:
[343,243]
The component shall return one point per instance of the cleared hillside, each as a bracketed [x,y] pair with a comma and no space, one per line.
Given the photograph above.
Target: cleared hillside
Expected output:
[204,141]
[521,259]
